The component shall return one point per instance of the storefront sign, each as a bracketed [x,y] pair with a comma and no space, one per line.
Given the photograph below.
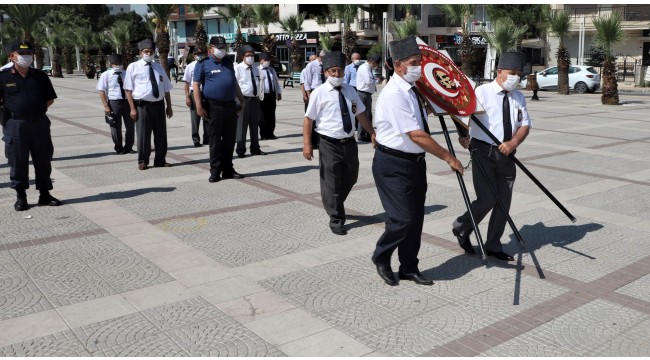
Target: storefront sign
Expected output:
[230,37]
[476,39]
[308,37]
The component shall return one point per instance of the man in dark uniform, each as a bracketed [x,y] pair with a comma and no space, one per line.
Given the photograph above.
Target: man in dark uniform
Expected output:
[215,88]
[507,117]
[399,167]
[111,92]
[146,84]
[26,94]
[332,106]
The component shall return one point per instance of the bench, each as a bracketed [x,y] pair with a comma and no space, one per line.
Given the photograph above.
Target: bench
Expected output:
[295,77]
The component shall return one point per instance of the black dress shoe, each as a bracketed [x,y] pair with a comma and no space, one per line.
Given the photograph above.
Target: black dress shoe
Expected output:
[241,156]
[416,278]
[500,255]
[129,151]
[21,204]
[163,165]
[339,231]
[273,137]
[258,153]
[48,200]
[233,175]
[197,144]
[214,178]
[386,273]
[463,241]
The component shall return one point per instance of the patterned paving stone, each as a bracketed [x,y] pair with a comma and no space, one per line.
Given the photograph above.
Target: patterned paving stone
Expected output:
[19,296]
[553,180]
[404,339]
[630,343]
[630,200]
[531,345]
[186,312]
[15,228]
[639,289]
[158,345]
[63,344]
[602,165]
[115,333]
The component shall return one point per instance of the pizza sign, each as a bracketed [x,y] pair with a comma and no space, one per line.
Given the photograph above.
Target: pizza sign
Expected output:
[444,84]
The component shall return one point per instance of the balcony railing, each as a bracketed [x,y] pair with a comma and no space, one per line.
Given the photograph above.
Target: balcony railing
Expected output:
[476,26]
[628,13]
[366,24]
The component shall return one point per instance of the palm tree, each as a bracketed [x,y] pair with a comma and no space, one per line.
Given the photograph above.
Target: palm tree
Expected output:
[326,41]
[26,18]
[200,36]
[87,39]
[609,31]
[238,13]
[347,13]
[405,28]
[56,41]
[120,35]
[506,35]
[266,14]
[161,16]
[460,14]
[560,25]
[292,24]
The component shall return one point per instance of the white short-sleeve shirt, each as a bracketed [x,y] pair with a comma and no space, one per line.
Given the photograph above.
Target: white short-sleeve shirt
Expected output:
[243,75]
[490,96]
[188,75]
[398,113]
[325,109]
[108,83]
[137,81]
[366,79]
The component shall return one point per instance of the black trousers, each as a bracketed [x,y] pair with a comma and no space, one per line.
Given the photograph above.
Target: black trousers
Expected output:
[501,173]
[250,119]
[267,118]
[402,187]
[152,119]
[339,170]
[196,120]
[21,139]
[222,130]
[122,111]
[366,99]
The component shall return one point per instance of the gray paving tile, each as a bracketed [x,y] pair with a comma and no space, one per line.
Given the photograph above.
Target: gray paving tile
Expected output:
[639,289]
[63,344]
[630,200]
[118,332]
[186,312]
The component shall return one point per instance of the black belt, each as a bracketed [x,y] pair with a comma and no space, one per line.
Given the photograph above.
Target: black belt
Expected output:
[400,154]
[250,97]
[336,141]
[14,116]
[221,103]
[146,103]
[365,92]
[117,99]
[483,142]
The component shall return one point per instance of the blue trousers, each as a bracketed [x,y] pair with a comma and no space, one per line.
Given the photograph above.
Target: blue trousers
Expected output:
[23,138]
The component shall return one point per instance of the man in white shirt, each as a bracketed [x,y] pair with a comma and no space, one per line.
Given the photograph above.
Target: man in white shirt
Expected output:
[188,78]
[111,92]
[332,106]
[315,76]
[248,77]
[506,116]
[305,97]
[271,94]
[399,168]
[366,86]
[146,85]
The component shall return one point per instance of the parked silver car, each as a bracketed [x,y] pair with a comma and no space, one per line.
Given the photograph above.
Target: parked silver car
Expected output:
[582,79]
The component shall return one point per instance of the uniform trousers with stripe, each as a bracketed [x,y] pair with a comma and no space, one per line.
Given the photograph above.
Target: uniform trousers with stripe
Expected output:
[339,170]
[402,187]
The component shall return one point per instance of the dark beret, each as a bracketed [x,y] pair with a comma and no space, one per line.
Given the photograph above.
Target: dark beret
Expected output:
[22,45]
[115,59]
[374,57]
[146,44]
[217,40]
[246,48]
[511,61]
[333,59]
[404,49]
[265,56]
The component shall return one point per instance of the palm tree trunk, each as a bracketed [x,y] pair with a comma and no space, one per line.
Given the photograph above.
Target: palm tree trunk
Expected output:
[295,55]
[610,86]
[67,55]
[162,39]
[466,56]
[563,64]
[56,64]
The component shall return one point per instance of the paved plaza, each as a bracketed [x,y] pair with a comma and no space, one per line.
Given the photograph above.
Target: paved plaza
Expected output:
[162,263]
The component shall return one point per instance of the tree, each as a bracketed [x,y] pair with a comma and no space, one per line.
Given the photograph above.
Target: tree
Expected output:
[292,24]
[119,35]
[560,25]
[200,36]
[56,41]
[405,28]
[87,39]
[26,17]
[326,41]
[506,35]
[239,14]
[529,15]
[161,16]
[461,14]
[347,13]
[609,31]
[266,14]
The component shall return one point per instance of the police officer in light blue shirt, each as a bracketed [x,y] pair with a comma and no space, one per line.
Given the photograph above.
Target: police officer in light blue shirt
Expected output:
[215,88]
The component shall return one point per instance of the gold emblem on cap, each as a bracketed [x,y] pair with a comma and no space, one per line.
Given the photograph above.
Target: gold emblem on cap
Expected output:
[24,46]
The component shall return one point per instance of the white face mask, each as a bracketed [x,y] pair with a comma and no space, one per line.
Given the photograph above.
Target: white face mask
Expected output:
[413,73]
[248,60]
[335,81]
[147,58]
[219,53]
[266,64]
[117,68]
[24,60]
[356,62]
[511,83]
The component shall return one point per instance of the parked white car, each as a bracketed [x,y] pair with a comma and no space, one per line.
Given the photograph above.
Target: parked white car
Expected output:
[582,79]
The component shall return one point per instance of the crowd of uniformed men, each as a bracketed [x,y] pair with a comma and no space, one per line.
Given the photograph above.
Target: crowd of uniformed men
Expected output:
[233,99]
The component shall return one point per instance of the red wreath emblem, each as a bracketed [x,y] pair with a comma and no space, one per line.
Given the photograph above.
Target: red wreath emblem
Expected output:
[444,84]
